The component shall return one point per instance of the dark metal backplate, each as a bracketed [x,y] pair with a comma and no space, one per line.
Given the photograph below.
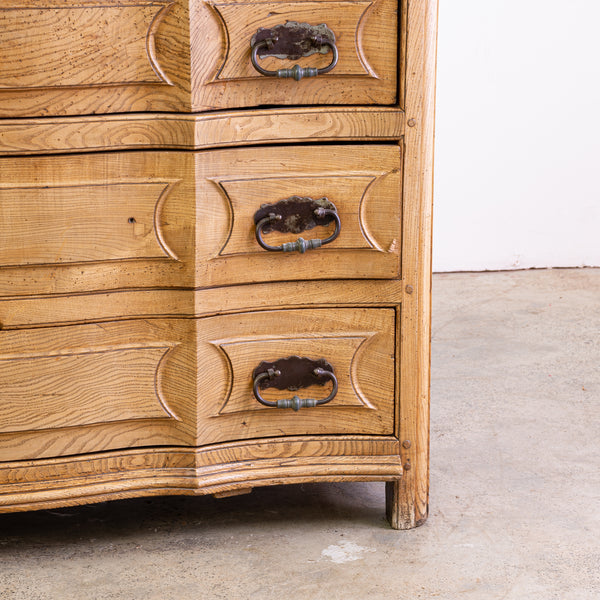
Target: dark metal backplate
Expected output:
[296,372]
[297,214]
[293,40]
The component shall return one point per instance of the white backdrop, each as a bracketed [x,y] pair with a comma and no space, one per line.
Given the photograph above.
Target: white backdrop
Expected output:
[517,165]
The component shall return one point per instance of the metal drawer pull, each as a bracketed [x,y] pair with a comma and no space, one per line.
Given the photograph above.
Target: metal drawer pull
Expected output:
[294,215]
[291,41]
[293,373]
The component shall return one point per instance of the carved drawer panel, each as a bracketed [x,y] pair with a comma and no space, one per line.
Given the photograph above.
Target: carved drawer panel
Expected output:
[96,221]
[358,343]
[189,382]
[181,219]
[79,57]
[87,388]
[365,35]
[162,55]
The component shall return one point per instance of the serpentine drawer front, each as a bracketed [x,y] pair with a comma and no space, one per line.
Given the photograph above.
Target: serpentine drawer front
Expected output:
[84,388]
[215,247]
[147,219]
[162,55]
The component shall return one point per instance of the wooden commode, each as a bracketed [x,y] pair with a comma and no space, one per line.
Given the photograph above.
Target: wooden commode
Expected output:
[215,232]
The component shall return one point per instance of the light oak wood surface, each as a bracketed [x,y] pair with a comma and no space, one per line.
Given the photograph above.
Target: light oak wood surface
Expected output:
[366,38]
[122,56]
[83,57]
[134,300]
[53,135]
[218,469]
[408,498]
[85,388]
[90,222]
[27,312]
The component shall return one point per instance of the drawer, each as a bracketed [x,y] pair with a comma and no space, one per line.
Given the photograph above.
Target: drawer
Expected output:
[187,382]
[185,56]
[182,219]
[365,34]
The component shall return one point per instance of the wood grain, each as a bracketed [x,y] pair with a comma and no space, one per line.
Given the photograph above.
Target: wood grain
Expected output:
[96,221]
[87,46]
[49,483]
[133,303]
[53,135]
[408,499]
[366,37]
[56,222]
[64,58]
[42,311]
[362,184]
[154,382]
[86,388]
[90,222]
[231,346]
[180,56]
[83,387]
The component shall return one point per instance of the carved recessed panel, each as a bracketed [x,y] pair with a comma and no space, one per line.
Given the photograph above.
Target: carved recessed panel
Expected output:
[81,46]
[358,343]
[87,387]
[341,352]
[92,222]
[347,193]
[241,21]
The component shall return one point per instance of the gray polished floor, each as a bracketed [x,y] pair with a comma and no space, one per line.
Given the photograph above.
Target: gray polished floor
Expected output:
[515,485]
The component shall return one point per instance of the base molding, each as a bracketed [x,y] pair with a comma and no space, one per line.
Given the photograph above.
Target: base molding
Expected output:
[219,469]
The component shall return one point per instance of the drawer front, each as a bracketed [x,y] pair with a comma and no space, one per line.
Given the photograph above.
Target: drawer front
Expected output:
[182,219]
[96,222]
[365,37]
[358,343]
[93,387]
[184,56]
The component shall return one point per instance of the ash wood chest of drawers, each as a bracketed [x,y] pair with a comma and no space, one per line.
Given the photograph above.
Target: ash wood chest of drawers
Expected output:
[215,228]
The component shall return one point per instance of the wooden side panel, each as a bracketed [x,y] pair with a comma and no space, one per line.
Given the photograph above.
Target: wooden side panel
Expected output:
[87,388]
[408,498]
[223,76]
[85,57]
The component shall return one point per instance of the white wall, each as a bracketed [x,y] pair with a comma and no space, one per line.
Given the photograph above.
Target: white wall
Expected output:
[517,163]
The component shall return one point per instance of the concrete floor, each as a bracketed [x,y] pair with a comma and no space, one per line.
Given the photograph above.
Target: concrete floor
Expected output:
[515,485]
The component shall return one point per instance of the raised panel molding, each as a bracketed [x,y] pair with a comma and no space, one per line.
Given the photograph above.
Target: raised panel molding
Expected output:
[88,222]
[242,354]
[245,196]
[83,46]
[88,387]
[240,21]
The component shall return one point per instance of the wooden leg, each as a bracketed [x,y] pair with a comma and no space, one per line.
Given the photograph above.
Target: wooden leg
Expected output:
[401,509]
